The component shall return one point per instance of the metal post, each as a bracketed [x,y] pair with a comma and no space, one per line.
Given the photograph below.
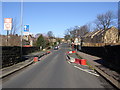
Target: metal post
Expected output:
[7,37]
[21,18]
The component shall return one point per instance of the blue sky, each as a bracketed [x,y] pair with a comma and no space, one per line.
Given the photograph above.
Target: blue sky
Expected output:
[56,16]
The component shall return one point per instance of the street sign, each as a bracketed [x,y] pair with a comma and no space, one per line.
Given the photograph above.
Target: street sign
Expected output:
[26,29]
[26,33]
[76,41]
[7,23]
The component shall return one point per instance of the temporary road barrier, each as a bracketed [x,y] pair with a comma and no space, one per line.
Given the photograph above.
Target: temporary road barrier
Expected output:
[83,62]
[48,52]
[77,60]
[72,60]
[35,59]
[71,52]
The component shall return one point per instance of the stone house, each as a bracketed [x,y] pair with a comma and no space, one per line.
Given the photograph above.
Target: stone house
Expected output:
[110,35]
[29,40]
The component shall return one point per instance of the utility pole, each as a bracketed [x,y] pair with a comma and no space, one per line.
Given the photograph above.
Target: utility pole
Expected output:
[21,18]
[7,37]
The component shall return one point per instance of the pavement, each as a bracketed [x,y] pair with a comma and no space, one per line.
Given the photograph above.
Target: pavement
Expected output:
[96,62]
[9,70]
[53,71]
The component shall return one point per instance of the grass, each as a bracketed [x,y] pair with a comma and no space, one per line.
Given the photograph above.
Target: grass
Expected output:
[78,56]
[90,66]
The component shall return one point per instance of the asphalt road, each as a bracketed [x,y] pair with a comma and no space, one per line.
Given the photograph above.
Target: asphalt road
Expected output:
[54,72]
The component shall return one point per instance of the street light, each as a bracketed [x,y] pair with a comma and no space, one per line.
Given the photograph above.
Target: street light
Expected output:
[21,23]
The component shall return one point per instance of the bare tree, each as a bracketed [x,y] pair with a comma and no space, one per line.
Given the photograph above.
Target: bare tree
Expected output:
[119,17]
[67,34]
[83,30]
[73,33]
[80,31]
[50,34]
[76,32]
[15,27]
[104,21]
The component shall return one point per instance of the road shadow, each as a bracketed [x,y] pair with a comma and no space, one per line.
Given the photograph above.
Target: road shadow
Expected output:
[104,64]
[100,61]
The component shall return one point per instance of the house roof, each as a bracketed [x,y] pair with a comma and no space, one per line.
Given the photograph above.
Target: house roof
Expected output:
[97,32]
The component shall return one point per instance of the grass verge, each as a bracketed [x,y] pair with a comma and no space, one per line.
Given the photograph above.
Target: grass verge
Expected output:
[78,56]
[90,66]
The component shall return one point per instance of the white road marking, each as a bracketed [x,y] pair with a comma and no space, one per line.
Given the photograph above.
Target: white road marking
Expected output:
[87,71]
[68,62]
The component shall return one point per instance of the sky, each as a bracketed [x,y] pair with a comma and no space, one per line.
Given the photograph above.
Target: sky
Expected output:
[55,16]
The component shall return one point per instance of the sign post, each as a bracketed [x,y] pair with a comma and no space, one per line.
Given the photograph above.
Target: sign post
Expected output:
[26,29]
[76,43]
[7,26]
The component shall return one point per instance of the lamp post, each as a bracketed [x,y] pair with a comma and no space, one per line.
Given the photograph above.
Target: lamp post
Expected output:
[21,24]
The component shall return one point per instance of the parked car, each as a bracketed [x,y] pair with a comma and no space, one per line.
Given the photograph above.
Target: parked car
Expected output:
[56,48]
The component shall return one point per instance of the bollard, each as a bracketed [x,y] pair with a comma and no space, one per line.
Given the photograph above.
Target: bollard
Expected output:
[83,62]
[35,59]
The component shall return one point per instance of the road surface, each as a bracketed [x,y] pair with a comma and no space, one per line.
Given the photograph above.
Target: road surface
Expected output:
[53,71]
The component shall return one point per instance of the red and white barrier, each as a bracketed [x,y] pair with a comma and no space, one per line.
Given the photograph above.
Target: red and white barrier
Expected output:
[72,60]
[83,62]
[71,52]
[27,46]
[78,61]
[48,52]
[35,59]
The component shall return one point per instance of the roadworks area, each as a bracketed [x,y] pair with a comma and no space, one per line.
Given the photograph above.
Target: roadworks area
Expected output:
[85,68]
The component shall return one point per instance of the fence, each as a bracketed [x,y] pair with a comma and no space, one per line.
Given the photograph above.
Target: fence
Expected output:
[13,55]
[110,54]
[99,44]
